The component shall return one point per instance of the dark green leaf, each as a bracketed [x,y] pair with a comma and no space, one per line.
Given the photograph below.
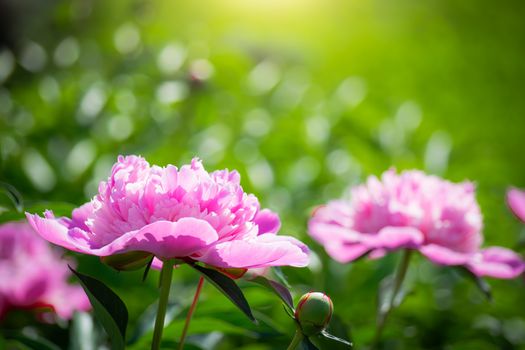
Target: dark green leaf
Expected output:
[480,283]
[109,309]
[385,296]
[146,270]
[228,287]
[34,342]
[275,287]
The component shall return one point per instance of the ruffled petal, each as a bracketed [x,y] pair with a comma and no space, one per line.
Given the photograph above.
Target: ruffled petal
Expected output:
[392,238]
[57,233]
[164,239]
[261,251]
[444,256]
[267,221]
[516,202]
[497,262]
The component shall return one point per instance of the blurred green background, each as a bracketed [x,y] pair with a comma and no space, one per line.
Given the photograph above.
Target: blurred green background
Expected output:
[304,98]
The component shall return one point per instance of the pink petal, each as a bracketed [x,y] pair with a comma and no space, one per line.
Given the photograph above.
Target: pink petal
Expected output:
[327,233]
[80,215]
[444,256]
[57,233]
[164,239]
[516,202]
[344,253]
[497,262]
[392,238]
[267,221]
[261,251]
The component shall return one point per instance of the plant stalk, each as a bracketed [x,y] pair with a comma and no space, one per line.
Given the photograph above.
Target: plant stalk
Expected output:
[398,281]
[164,285]
[298,337]
[190,313]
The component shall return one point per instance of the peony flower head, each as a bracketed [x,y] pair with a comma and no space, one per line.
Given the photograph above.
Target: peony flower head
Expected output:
[516,202]
[412,210]
[32,274]
[184,213]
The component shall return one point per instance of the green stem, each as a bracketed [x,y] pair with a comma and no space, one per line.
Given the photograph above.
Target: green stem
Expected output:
[164,285]
[398,281]
[190,313]
[298,337]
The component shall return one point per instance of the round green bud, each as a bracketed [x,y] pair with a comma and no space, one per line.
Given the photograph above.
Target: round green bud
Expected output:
[313,312]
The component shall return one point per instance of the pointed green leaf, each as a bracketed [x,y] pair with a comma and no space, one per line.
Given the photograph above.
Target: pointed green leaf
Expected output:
[228,287]
[109,309]
[275,287]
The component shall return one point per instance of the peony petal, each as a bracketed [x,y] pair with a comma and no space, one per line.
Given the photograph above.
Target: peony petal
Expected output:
[497,262]
[516,202]
[55,232]
[261,251]
[164,239]
[392,238]
[267,221]
[80,215]
[344,253]
[444,256]
[328,233]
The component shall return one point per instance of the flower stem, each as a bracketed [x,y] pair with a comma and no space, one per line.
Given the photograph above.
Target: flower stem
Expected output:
[398,281]
[190,313]
[298,337]
[164,285]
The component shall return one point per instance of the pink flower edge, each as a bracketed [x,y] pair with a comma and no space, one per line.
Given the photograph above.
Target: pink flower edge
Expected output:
[516,202]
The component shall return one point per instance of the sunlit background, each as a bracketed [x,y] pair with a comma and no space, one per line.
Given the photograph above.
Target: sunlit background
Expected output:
[304,98]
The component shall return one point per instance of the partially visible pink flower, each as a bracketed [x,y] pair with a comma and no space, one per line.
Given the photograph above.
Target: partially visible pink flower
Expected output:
[412,210]
[33,275]
[175,213]
[516,202]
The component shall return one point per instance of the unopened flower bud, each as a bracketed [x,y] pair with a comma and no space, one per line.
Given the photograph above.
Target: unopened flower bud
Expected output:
[314,311]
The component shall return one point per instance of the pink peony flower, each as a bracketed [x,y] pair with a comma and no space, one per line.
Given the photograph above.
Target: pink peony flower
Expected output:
[32,274]
[175,213]
[415,211]
[516,202]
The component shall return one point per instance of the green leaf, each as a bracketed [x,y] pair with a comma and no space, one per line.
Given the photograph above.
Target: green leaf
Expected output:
[33,342]
[278,272]
[228,287]
[275,287]
[480,283]
[12,193]
[146,321]
[109,309]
